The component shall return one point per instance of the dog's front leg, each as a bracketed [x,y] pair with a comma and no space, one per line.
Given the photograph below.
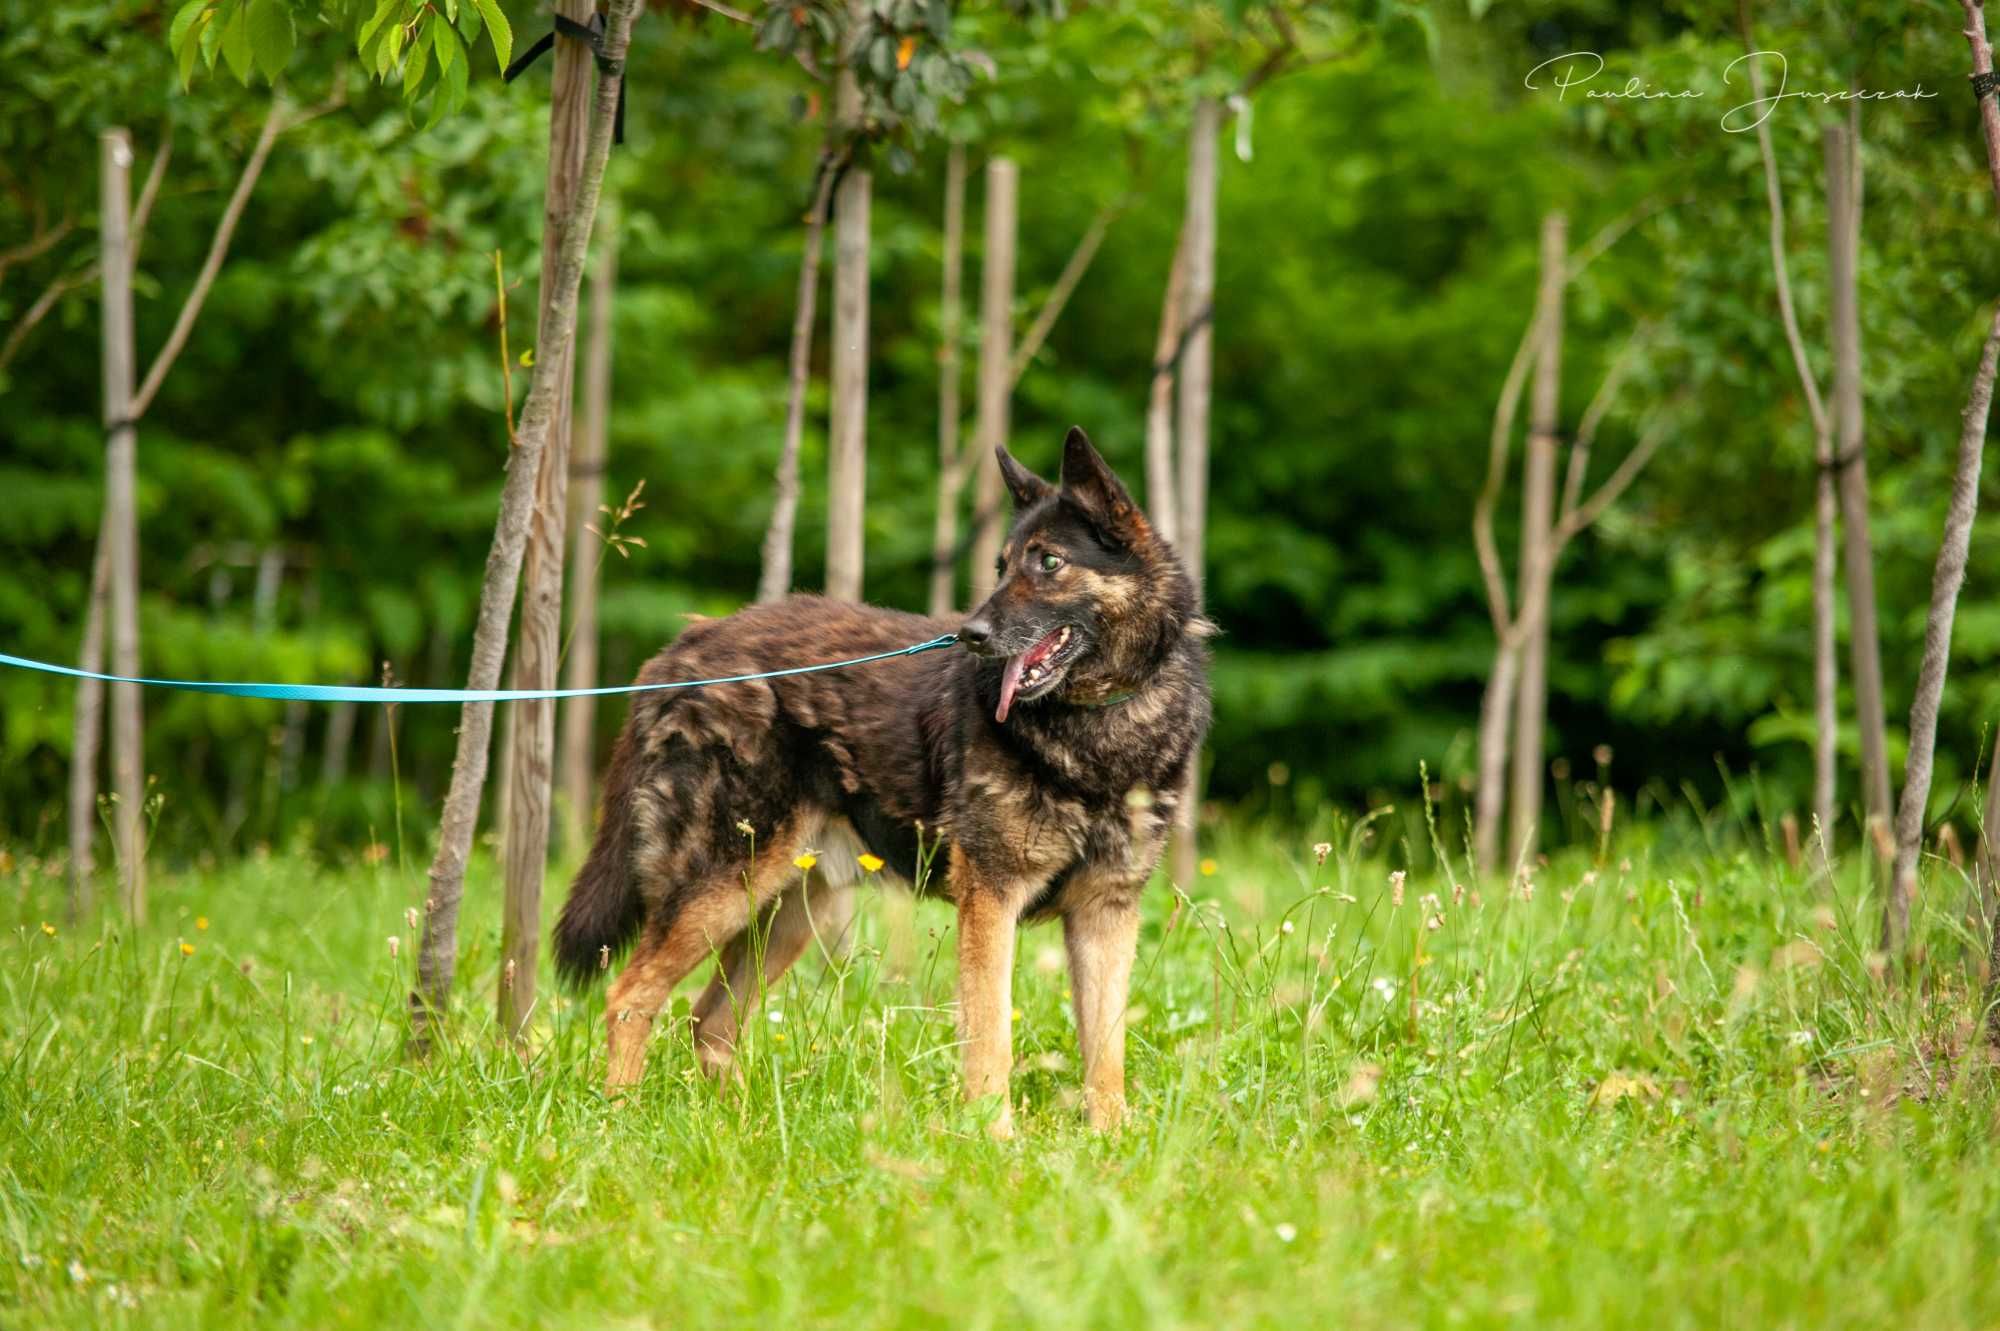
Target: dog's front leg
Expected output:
[988,912]
[1102,937]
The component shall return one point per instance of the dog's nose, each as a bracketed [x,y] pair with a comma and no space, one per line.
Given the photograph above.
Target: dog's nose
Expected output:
[975,633]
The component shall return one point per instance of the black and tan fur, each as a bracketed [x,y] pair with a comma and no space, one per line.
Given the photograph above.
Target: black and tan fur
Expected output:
[1061,810]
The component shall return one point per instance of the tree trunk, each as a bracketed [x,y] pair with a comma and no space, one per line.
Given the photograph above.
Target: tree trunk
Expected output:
[1826,653]
[1825,665]
[525,849]
[576,758]
[547,392]
[944,534]
[122,523]
[1538,490]
[1496,717]
[1161,504]
[847,443]
[1946,579]
[996,331]
[775,578]
[1194,373]
[89,730]
[1843,206]
[339,743]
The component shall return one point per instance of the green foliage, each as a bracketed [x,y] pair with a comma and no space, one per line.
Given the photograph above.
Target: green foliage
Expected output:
[425,47]
[1660,1093]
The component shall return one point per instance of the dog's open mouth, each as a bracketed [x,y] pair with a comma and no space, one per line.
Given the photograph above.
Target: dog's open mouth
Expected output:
[1034,671]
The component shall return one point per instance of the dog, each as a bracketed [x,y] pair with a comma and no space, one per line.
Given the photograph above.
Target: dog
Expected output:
[1043,765]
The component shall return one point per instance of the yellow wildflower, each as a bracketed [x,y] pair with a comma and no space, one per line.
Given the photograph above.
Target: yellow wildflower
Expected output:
[805,860]
[871,862]
[201,923]
[1208,868]
[187,949]
[48,929]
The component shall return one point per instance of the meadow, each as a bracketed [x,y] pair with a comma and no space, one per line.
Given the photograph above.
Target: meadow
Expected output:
[1658,1082]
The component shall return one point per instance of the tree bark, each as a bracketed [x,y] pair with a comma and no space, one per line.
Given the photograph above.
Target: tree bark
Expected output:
[1195,380]
[538,649]
[577,755]
[775,577]
[86,736]
[1843,206]
[1161,502]
[951,312]
[547,391]
[996,332]
[1826,669]
[1538,490]
[1946,580]
[847,442]
[122,523]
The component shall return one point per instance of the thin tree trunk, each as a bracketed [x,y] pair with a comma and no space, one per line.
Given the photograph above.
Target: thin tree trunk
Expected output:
[122,523]
[951,312]
[547,391]
[1946,579]
[1195,377]
[1826,669]
[1496,712]
[1538,490]
[1161,503]
[996,331]
[89,730]
[525,850]
[775,578]
[339,743]
[577,757]
[847,441]
[1989,832]
[1843,206]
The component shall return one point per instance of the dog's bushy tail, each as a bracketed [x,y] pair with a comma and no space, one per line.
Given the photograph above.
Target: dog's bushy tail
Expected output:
[604,910]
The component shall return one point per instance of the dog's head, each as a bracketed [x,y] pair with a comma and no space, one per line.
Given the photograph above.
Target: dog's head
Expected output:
[1089,599]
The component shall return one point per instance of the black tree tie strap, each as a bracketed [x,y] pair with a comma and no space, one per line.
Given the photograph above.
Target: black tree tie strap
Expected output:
[590,34]
[1984,84]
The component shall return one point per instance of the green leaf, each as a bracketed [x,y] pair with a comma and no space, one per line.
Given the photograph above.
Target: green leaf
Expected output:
[184,17]
[236,45]
[271,36]
[450,94]
[417,62]
[188,44]
[444,41]
[496,24]
[212,29]
[374,25]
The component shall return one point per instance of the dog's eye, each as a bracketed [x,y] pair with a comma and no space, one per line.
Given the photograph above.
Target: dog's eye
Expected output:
[1050,563]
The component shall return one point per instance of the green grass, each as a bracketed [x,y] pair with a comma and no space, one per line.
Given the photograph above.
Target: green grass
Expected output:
[231,1138]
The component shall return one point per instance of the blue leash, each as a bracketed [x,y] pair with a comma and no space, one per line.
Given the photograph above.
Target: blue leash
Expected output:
[373,693]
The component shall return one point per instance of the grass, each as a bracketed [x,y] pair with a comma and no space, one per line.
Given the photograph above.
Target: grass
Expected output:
[1663,1092]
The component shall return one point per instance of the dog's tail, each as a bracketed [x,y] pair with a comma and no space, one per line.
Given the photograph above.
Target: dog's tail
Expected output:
[604,910]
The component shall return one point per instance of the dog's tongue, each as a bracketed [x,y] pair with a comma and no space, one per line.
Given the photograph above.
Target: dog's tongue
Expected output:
[1010,674]
[1010,683]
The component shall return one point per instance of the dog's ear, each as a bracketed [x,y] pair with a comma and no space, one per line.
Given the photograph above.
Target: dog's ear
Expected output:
[1024,485]
[1089,482]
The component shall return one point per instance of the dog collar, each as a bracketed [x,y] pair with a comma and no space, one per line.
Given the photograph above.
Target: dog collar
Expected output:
[1113,700]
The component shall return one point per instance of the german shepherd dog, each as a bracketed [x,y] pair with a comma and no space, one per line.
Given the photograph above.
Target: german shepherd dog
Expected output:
[1044,764]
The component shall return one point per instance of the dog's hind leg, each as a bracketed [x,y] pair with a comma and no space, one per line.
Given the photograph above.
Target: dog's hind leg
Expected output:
[802,914]
[706,917]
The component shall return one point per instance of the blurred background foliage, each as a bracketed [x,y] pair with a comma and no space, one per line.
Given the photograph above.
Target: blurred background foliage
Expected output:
[319,475]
